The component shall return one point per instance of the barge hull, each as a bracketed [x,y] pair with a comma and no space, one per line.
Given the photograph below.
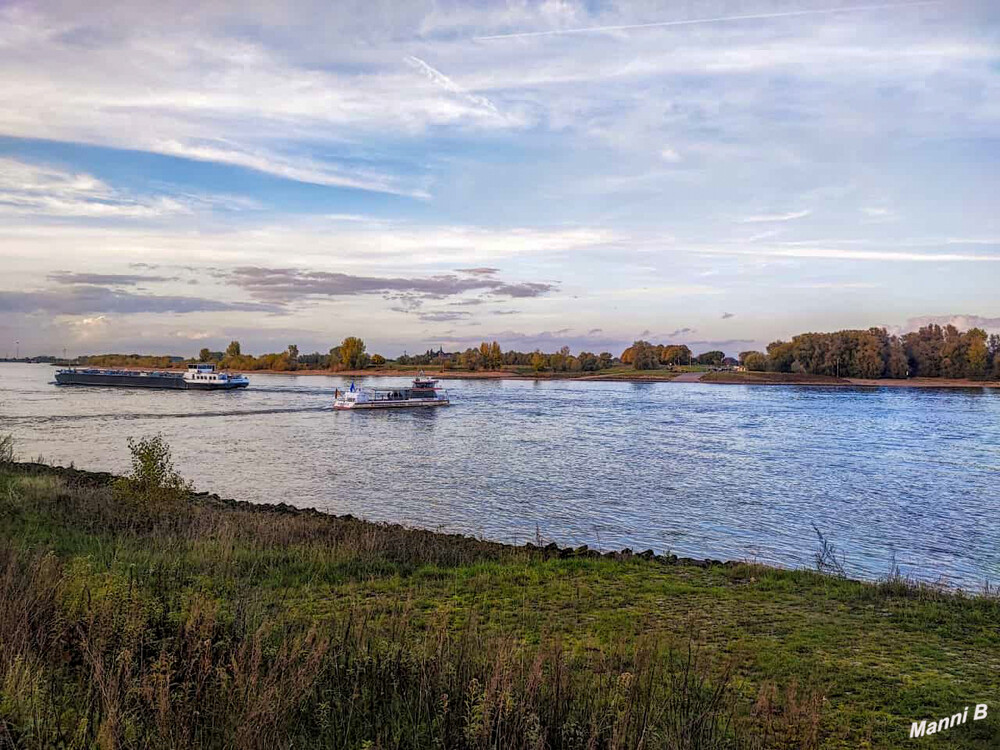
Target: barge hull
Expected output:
[165,382]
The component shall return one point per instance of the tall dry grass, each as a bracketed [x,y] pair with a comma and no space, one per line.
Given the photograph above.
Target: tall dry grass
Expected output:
[149,626]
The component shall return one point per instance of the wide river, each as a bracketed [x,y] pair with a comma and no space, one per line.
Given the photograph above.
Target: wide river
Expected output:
[722,471]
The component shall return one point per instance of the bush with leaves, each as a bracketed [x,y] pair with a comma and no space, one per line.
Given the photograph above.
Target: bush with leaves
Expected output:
[6,449]
[153,485]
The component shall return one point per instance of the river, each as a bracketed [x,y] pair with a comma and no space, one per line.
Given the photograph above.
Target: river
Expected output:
[722,471]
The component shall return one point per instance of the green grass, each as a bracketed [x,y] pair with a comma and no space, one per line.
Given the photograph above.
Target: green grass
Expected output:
[222,625]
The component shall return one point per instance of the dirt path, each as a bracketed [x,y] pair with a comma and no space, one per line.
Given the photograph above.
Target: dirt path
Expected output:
[688,377]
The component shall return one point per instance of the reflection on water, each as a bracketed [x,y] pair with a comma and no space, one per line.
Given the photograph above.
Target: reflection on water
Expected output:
[701,470]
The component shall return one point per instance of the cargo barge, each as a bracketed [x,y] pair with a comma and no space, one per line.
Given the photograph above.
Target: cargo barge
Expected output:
[200,377]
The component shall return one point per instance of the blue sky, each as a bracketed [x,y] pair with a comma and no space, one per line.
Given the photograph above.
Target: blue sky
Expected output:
[713,172]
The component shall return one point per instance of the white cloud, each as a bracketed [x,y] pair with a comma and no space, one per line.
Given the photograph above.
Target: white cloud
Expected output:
[836,285]
[33,189]
[318,244]
[961,322]
[790,216]
[670,155]
[704,21]
[827,253]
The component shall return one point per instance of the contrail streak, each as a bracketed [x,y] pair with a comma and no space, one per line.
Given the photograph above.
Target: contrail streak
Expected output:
[440,79]
[694,21]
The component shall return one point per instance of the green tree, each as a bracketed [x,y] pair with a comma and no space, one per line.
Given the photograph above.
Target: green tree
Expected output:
[352,353]
[754,361]
[496,356]
[233,350]
[588,362]
[713,358]
[336,361]
[897,366]
[780,356]
[205,355]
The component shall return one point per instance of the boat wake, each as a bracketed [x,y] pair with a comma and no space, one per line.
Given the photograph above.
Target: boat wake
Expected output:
[172,415]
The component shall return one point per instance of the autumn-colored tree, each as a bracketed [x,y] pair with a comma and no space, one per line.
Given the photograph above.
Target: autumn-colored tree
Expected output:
[233,350]
[378,360]
[977,354]
[471,359]
[675,355]
[539,361]
[352,353]
[559,362]
[644,356]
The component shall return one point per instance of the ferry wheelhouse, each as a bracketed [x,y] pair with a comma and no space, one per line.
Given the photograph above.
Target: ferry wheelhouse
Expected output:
[423,392]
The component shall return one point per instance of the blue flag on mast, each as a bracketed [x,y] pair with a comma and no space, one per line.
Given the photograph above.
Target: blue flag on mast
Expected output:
[352,386]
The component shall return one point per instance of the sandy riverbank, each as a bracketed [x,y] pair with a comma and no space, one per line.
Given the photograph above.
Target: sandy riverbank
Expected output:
[791,378]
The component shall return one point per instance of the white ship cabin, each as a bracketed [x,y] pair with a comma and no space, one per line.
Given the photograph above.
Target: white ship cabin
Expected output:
[423,392]
[206,373]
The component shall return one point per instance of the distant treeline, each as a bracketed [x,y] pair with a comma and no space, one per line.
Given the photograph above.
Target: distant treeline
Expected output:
[489,356]
[352,354]
[931,352]
[645,356]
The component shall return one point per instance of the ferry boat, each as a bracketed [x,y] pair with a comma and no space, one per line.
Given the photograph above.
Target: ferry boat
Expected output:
[199,377]
[423,392]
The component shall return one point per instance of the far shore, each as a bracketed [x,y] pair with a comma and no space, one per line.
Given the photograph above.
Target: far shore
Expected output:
[791,378]
[639,376]
[662,376]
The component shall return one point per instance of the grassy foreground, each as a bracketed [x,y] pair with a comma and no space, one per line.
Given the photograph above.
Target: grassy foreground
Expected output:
[135,614]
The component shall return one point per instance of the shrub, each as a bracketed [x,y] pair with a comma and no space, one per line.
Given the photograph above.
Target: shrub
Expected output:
[154,485]
[6,449]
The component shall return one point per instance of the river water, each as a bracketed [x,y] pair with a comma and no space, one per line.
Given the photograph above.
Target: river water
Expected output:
[722,471]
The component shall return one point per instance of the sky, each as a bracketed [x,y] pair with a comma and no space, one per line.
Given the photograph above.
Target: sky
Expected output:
[719,173]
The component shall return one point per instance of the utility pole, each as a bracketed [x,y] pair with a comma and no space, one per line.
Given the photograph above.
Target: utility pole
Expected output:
[17,350]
